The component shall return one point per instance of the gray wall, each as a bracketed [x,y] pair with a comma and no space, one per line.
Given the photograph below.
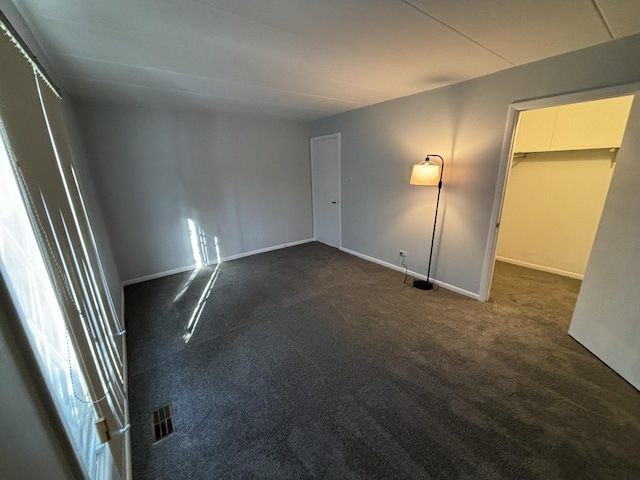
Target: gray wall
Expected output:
[465,123]
[94,209]
[242,179]
[607,315]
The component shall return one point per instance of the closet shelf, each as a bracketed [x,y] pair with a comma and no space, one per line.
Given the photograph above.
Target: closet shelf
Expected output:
[523,154]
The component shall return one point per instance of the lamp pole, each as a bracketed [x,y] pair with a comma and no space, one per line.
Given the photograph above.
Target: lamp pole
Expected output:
[426,284]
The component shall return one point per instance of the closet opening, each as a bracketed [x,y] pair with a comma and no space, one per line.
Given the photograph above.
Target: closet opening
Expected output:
[561,163]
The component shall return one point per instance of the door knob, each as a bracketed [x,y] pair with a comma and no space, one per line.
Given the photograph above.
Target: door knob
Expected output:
[334,202]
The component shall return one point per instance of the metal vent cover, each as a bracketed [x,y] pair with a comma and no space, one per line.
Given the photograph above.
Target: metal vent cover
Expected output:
[162,422]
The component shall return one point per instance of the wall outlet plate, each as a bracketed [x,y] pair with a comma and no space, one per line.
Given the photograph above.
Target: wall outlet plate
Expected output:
[403,253]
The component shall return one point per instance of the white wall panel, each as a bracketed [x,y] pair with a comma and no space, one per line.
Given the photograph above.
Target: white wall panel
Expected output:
[605,319]
[523,31]
[552,209]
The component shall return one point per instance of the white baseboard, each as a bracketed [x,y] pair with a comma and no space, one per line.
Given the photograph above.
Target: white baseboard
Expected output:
[542,268]
[265,250]
[400,269]
[223,259]
[153,276]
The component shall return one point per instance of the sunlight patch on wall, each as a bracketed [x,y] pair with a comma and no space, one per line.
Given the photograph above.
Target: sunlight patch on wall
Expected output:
[198,244]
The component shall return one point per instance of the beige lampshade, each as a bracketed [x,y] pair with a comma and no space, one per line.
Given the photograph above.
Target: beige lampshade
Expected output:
[425,173]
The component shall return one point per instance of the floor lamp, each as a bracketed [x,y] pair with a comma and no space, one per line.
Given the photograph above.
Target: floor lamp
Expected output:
[428,173]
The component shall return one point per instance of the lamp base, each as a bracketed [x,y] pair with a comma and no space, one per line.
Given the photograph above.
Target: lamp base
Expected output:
[422,285]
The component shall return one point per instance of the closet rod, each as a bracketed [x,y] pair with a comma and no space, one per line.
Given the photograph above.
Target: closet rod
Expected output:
[518,155]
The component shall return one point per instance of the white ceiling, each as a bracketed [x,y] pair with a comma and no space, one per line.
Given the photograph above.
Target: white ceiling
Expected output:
[304,59]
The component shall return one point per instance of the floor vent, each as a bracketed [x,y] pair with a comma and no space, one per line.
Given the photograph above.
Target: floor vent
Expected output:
[162,421]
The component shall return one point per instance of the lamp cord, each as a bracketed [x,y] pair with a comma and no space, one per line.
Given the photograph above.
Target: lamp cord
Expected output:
[405,268]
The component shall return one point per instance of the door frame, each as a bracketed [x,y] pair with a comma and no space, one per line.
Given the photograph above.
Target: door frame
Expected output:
[507,153]
[339,189]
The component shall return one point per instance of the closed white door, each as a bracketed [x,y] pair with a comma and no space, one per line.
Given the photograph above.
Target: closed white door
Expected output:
[325,174]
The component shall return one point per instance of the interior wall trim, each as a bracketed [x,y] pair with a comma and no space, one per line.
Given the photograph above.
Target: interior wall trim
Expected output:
[188,268]
[542,268]
[417,275]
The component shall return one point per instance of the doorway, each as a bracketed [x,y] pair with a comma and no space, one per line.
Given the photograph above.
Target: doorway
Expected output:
[562,163]
[545,111]
[325,182]
[604,318]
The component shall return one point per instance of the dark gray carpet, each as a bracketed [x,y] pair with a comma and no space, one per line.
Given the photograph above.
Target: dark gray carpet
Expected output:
[311,363]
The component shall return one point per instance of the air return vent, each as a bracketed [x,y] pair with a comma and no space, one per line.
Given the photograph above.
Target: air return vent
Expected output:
[162,421]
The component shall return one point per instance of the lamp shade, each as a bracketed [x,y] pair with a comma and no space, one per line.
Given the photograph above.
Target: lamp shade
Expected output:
[425,173]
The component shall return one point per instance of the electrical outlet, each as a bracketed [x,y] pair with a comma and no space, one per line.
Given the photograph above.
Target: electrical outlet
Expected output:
[403,253]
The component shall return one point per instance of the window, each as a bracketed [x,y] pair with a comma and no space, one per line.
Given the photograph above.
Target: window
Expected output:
[49,261]
[25,272]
